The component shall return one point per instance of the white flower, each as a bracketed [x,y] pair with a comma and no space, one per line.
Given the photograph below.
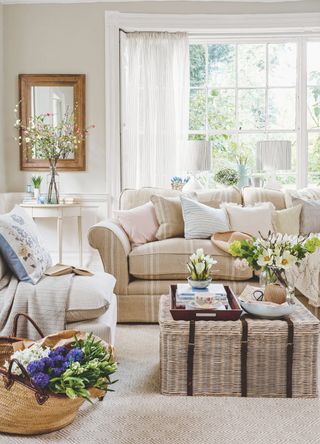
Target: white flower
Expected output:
[27,139]
[26,356]
[286,260]
[17,122]
[200,267]
[265,258]
[241,264]
[199,253]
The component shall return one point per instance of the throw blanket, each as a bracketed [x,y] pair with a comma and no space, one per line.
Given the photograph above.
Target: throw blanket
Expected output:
[45,303]
[306,276]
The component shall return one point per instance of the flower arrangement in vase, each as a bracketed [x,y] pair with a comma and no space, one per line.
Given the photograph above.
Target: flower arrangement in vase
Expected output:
[274,255]
[199,266]
[52,142]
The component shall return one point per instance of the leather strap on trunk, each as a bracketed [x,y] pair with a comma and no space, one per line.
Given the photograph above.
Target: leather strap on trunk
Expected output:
[190,358]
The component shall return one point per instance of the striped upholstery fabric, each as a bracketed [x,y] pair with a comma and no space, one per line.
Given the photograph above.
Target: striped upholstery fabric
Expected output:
[201,221]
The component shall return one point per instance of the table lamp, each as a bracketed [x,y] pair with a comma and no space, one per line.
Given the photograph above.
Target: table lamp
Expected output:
[195,158]
[271,156]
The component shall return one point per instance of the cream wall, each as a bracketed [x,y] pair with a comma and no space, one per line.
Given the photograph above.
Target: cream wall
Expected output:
[70,39]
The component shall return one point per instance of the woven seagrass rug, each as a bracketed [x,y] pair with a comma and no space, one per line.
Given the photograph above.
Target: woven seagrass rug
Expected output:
[137,414]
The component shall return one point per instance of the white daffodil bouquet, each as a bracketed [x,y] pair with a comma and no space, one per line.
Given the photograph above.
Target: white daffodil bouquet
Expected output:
[199,265]
[274,254]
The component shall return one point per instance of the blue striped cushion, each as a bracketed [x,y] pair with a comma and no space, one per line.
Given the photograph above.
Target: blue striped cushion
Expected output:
[201,221]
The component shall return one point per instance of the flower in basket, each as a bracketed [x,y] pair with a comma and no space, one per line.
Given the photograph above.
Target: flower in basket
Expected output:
[71,370]
[275,254]
[199,265]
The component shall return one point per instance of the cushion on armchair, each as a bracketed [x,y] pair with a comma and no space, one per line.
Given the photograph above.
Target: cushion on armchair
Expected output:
[21,247]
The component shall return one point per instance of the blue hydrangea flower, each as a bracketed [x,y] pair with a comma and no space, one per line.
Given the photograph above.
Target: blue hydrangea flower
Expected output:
[41,380]
[35,367]
[76,355]
[58,360]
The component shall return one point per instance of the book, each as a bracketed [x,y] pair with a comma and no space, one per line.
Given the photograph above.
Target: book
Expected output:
[188,295]
[61,270]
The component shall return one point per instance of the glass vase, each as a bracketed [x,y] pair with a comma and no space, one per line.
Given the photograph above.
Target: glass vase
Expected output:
[53,186]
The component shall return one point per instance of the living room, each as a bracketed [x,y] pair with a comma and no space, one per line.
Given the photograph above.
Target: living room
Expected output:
[160,151]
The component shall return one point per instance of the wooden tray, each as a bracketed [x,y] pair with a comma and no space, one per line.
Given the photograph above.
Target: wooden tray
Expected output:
[179,312]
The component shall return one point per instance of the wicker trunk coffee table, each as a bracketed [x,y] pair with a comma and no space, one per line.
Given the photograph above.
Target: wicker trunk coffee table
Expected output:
[251,357]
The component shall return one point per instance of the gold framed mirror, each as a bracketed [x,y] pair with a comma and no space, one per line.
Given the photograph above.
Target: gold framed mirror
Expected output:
[52,94]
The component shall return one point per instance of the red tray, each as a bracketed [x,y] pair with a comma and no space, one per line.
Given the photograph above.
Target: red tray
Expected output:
[179,312]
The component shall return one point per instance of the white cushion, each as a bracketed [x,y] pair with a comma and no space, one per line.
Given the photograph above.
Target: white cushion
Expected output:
[287,221]
[250,220]
[90,296]
[21,247]
[201,221]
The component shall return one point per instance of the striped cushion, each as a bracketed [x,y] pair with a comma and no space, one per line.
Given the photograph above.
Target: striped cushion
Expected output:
[201,221]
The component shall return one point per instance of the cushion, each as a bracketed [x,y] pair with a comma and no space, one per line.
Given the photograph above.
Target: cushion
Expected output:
[287,221]
[90,296]
[169,215]
[213,198]
[252,195]
[201,221]
[250,220]
[310,215]
[167,260]
[312,193]
[21,247]
[140,223]
[3,267]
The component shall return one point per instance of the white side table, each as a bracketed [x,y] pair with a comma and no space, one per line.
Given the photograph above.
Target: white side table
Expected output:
[59,212]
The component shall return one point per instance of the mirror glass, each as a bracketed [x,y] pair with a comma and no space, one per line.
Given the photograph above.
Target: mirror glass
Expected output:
[55,100]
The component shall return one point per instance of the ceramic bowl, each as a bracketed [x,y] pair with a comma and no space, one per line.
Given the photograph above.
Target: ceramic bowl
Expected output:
[199,284]
[267,311]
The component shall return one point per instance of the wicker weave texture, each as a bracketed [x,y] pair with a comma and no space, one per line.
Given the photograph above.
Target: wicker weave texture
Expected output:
[217,356]
[20,412]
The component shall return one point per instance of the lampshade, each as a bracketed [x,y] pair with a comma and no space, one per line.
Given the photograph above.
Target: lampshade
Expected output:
[273,155]
[196,156]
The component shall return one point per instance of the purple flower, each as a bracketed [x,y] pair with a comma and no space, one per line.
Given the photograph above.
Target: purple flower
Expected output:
[41,380]
[47,362]
[76,354]
[56,371]
[58,351]
[58,360]
[35,367]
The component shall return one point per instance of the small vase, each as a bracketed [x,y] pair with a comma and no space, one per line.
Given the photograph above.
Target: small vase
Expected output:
[36,193]
[243,174]
[199,284]
[53,186]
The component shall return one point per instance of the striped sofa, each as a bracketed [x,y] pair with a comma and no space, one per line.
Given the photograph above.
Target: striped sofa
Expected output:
[144,273]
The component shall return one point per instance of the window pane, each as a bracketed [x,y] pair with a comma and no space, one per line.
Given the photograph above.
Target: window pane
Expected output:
[282,64]
[281,108]
[252,109]
[314,107]
[252,65]
[247,143]
[223,151]
[314,158]
[221,65]
[313,63]
[221,109]
[197,65]
[197,115]
[197,137]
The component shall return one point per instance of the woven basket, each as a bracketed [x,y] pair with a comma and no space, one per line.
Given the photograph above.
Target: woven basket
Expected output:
[6,342]
[217,351]
[27,410]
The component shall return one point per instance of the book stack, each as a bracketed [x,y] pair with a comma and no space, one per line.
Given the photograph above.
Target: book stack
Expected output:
[190,297]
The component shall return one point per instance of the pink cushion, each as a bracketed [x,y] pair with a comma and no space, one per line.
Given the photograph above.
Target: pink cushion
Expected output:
[139,223]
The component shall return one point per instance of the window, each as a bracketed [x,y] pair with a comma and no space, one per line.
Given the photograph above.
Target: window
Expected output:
[249,90]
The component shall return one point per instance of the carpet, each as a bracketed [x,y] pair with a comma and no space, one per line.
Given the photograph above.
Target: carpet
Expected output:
[136,413]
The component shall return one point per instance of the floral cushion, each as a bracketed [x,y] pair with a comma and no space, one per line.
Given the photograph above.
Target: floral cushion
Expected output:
[21,247]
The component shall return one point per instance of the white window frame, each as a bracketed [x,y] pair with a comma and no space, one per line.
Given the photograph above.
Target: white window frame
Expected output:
[200,26]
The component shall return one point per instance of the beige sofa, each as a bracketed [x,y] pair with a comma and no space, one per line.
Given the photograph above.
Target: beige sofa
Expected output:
[144,273]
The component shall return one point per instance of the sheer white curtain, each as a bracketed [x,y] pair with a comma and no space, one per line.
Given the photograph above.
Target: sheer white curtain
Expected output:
[154,106]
